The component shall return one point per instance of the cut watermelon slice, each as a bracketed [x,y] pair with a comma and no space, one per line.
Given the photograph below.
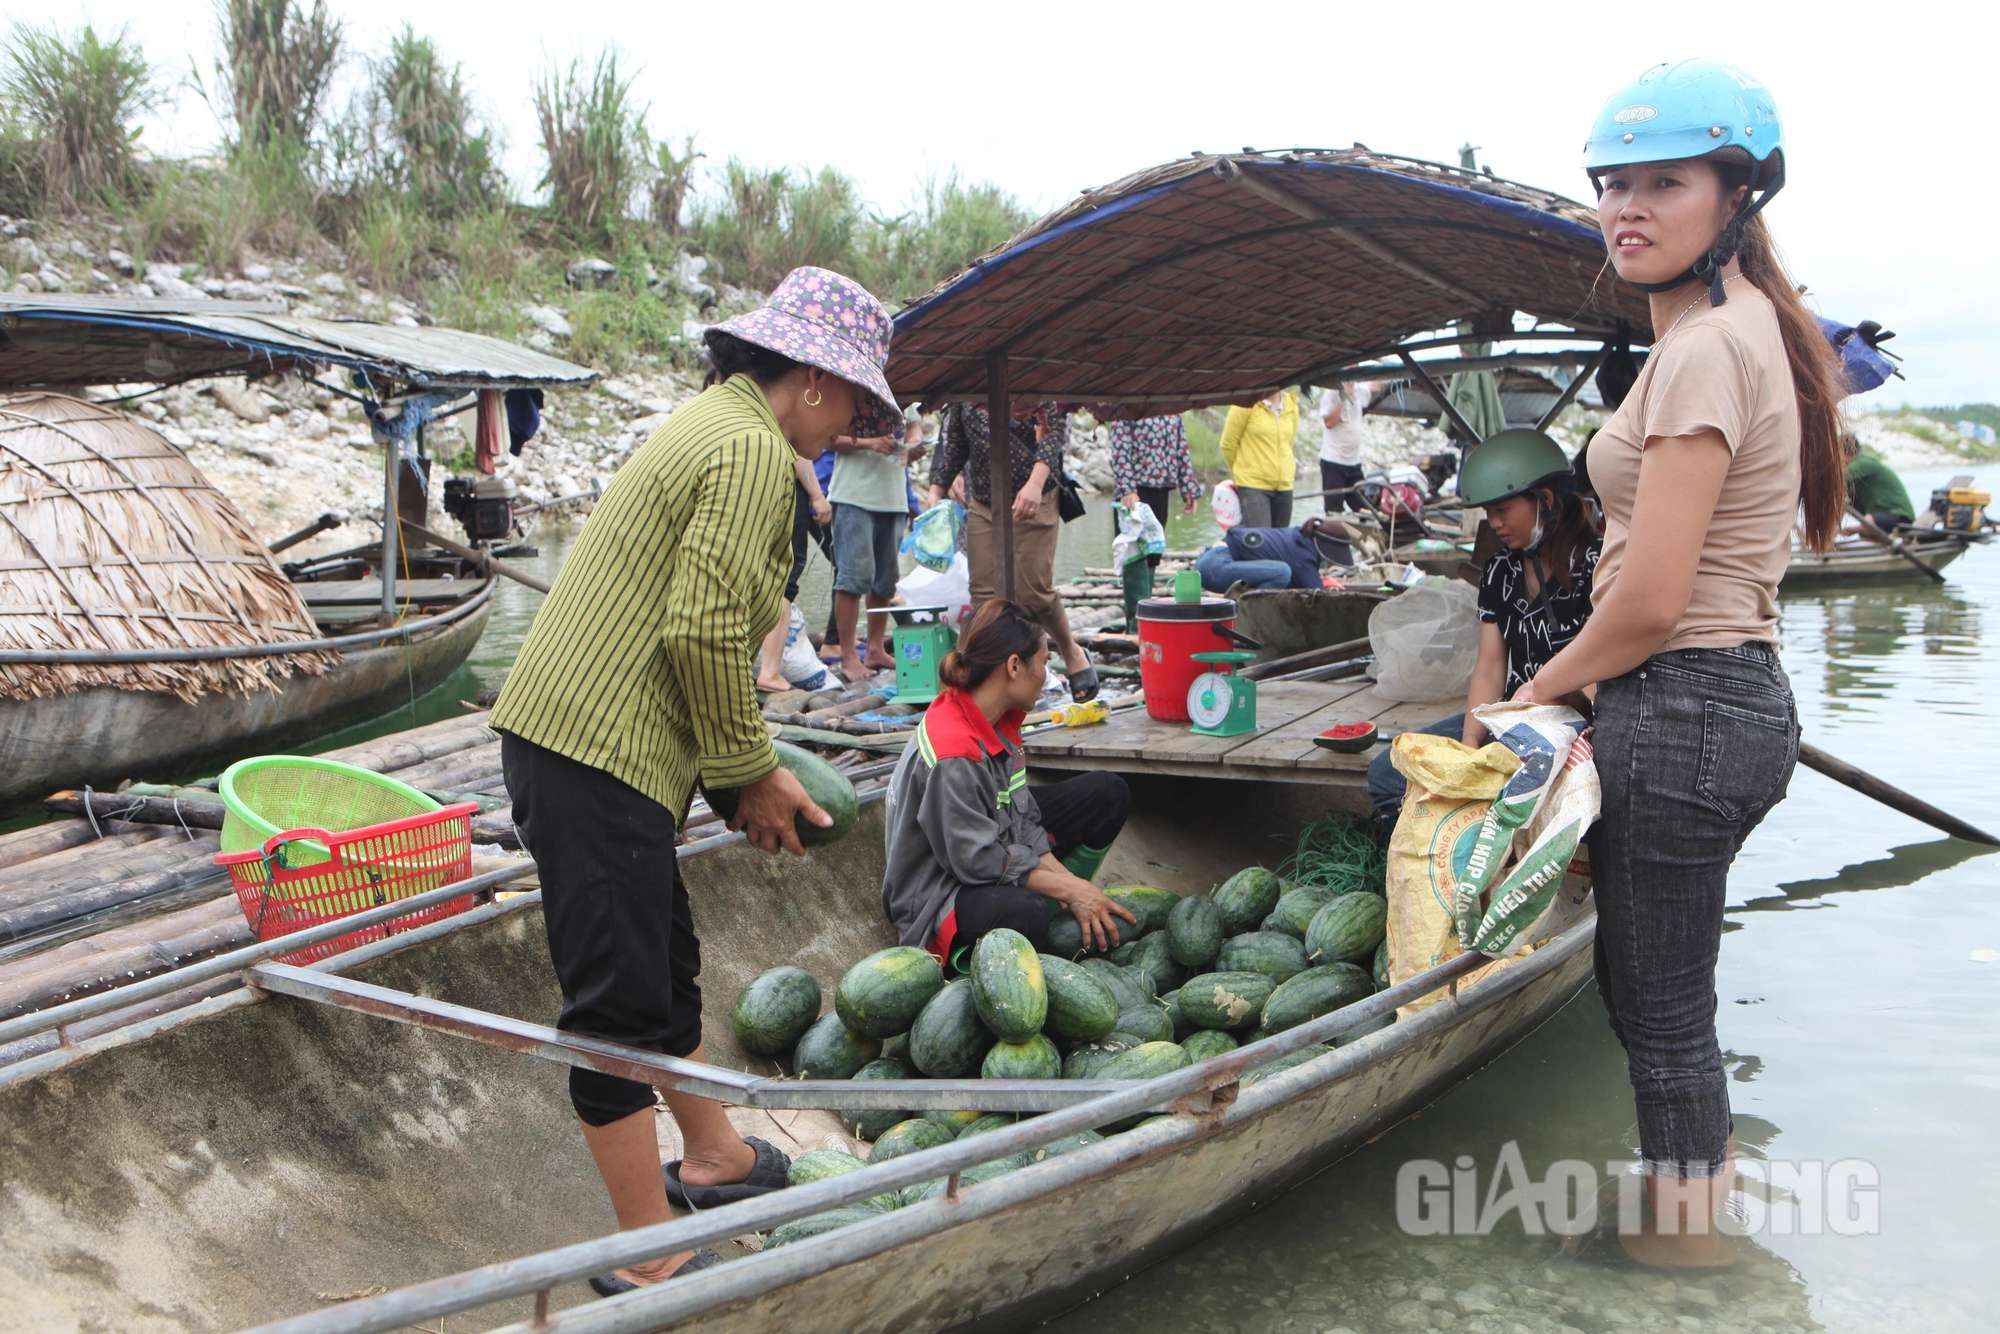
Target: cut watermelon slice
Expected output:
[1348,738]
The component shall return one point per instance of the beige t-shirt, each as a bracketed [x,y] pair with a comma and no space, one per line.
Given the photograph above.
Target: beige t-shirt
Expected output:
[1724,369]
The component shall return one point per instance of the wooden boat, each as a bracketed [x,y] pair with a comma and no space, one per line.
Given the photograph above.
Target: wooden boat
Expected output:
[253,1155]
[143,625]
[1857,558]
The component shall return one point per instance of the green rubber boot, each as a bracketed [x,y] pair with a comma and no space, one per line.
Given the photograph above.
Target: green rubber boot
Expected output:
[1138,584]
[1083,863]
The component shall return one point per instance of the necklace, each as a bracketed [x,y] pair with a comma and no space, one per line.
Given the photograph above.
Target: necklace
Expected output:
[1690,310]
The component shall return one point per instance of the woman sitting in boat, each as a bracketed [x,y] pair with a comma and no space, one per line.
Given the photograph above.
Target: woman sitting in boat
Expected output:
[1534,594]
[971,846]
[1730,430]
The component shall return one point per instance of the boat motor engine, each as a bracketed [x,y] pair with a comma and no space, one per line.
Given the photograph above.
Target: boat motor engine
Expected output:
[483,506]
[1962,508]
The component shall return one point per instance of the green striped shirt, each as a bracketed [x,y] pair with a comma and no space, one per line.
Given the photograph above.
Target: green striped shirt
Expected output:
[640,661]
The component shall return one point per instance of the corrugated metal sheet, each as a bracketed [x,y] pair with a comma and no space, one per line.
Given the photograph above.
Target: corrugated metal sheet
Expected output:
[72,340]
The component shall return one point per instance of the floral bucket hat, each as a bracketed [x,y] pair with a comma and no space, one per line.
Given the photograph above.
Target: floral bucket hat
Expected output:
[818,317]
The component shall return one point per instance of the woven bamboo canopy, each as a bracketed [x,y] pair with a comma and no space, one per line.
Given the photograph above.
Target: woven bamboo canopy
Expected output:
[111,540]
[1217,279]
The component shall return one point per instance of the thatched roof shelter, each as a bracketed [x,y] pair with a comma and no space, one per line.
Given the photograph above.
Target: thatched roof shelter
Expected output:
[111,541]
[1216,279]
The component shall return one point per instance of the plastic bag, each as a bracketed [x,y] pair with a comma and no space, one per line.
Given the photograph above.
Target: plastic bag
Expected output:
[800,665]
[1139,536]
[933,536]
[1426,641]
[1532,832]
[1226,505]
[950,589]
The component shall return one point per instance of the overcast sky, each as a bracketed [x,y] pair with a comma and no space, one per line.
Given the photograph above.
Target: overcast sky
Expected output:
[1887,108]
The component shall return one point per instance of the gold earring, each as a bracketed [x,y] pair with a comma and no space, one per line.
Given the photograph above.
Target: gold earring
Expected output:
[814,398]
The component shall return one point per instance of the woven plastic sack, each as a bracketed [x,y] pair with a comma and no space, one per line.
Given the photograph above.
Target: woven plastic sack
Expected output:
[933,537]
[1521,884]
[950,588]
[800,664]
[1426,641]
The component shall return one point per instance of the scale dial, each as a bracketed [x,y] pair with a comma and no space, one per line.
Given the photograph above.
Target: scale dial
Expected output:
[1210,699]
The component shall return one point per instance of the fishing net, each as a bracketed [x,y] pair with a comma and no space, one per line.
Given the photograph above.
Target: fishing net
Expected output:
[1341,854]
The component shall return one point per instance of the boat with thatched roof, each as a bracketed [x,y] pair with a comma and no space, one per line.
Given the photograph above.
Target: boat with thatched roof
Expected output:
[143,624]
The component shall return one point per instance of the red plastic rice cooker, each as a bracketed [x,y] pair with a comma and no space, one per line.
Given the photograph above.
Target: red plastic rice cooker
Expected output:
[1170,634]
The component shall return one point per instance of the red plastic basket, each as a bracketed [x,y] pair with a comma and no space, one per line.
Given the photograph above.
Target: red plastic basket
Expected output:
[303,877]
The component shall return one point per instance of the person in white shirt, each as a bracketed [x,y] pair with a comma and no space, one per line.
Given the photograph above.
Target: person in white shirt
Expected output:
[1340,449]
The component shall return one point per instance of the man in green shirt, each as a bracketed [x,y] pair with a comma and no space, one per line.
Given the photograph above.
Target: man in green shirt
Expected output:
[635,682]
[1874,490]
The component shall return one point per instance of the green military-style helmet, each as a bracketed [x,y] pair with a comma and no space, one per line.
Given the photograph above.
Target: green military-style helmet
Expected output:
[1509,463]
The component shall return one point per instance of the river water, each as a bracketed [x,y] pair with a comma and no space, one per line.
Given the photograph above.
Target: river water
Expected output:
[1859,1016]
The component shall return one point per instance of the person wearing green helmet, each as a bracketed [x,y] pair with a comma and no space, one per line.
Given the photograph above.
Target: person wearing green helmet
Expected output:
[1728,433]
[1534,593]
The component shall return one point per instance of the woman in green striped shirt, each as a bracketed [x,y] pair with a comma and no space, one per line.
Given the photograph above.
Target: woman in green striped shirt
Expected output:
[635,682]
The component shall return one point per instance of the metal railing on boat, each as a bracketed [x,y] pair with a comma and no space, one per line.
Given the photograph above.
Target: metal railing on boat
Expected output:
[1203,1098]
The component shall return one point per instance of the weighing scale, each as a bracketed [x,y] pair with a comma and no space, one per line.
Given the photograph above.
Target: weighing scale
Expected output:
[921,639]
[1220,702]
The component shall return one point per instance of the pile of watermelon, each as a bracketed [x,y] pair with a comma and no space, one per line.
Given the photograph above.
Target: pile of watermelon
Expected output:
[1191,979]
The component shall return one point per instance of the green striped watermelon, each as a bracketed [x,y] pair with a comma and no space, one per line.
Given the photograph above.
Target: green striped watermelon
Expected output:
[775,1010]
[1272,953]
[1123,986]
[1372,1026]
[948,1041]
[1226,1000]
[829,1050]
[1284,1063]
[952,1121]
[1149,1060]
[990,1121]
[1150,905]
[1295,910]
[1149,1021]
[882,995]
[1206,1042]
[1081,1007]
[804,1229]
[1194,931]
[1246,899]
[825,784]
[1382,964]
[1348,928]
[1007,985]
[1315,992]
[1036,1058]
[866,1125]
[1151,957]
[908,1137]
[1084,1060]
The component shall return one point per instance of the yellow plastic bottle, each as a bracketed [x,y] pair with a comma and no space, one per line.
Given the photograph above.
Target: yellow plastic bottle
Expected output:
[1082,715]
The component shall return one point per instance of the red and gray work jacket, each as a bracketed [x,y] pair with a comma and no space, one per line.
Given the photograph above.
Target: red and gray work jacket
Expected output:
[960,816]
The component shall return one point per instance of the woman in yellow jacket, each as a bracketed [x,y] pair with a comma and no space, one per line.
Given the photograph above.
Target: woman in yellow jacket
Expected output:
[1257,446]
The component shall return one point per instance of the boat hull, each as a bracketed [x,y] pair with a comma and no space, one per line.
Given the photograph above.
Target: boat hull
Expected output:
[1866,562]
[104,735]
[279,1155]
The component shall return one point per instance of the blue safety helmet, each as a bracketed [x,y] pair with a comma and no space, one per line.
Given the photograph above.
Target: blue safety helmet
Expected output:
[1694,109]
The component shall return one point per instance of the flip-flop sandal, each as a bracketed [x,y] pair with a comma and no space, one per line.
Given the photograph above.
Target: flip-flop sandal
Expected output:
[610,1285]
[767,1175]
[1084,685]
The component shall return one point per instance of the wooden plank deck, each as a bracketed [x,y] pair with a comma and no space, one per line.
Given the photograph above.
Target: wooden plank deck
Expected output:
[1289,715]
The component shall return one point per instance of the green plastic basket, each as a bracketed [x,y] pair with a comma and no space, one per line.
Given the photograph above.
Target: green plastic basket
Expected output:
[275,793]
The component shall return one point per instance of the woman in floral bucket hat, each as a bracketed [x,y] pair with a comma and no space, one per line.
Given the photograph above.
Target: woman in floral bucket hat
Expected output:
[635,683]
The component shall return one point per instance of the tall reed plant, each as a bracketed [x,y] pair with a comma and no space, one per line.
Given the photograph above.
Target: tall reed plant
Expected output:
[425,139]
[594,139]
[765,222]
[73,99]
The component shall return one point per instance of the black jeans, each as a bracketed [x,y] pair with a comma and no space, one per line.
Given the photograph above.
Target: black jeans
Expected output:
[1386,787]
[620,931]
[1082,812]
[1694,747]
[1341,477]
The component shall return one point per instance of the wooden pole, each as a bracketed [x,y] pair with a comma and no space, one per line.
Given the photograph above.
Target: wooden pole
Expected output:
[1000,472]
[392,465]
[485,560]
[1868,785]
[1896,544]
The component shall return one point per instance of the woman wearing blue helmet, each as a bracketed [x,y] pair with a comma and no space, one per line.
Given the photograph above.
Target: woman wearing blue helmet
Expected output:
[1702,472]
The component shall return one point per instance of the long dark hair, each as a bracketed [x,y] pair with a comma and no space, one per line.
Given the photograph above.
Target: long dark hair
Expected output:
[1567,533]
[1815,379]
[1000,630]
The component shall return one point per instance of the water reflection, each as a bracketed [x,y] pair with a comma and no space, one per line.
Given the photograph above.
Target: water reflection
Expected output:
[1904,865]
